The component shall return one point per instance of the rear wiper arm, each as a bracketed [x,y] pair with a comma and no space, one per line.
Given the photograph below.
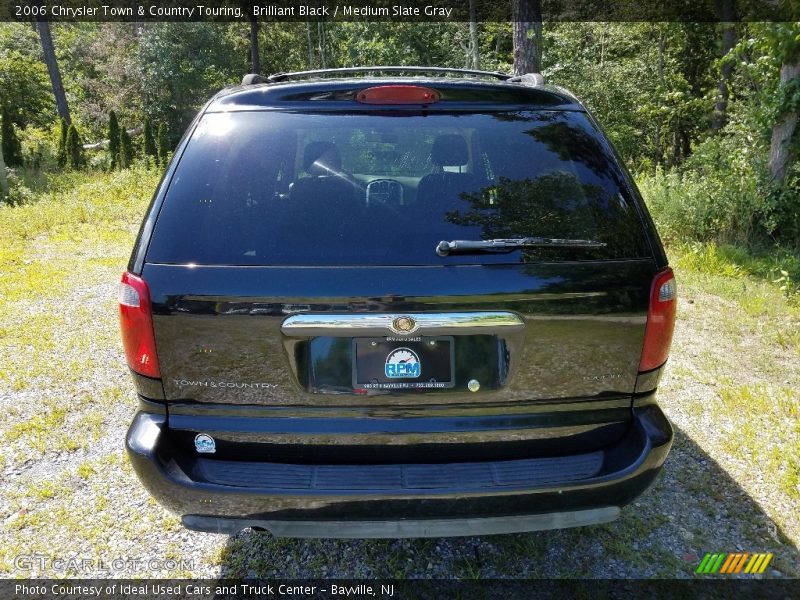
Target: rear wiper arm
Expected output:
[444,248]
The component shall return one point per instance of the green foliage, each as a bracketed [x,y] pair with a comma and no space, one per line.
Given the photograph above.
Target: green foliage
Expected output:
[778,269]
[74,149]
[780,40]
[163,145]
[62,143]
[100,72]
[380,43]
[782,215]
[38,147]
[757,60]
[149,143]
[787,283]
[125,149]
[723,191]
[183,64]
[113,139]
[652,87]
[24,83]
[11,147]
[691,206]
[18,193]
[646,82]
[24,184]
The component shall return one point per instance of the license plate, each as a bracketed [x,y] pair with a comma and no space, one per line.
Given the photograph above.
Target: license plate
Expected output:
[421,363]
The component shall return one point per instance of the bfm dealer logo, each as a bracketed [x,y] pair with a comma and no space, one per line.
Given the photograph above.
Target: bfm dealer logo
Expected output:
[402,362]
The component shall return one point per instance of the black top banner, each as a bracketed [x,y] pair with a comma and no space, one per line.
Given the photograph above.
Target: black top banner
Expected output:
[400,10]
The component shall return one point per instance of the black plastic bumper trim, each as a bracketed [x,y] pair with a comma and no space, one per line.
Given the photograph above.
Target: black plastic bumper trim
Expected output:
[628,467]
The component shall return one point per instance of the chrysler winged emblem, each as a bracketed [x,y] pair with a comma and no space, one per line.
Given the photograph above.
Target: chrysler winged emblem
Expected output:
[403,325]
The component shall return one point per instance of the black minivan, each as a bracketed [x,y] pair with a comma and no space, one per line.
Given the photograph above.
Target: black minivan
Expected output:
[396,302]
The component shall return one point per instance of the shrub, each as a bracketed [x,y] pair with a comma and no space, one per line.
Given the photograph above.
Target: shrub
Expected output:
[689,206]
[74,149]
[62,143]
[38,147]
[782,211]
[125,149]
[149,141]
[113,139]
[18,191]
[163,145]
[11,147]
[722,194]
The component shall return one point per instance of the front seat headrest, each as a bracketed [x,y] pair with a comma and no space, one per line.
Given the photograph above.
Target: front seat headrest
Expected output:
[449,150]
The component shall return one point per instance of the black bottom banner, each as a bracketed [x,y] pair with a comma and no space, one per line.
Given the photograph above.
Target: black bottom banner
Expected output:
[438,589]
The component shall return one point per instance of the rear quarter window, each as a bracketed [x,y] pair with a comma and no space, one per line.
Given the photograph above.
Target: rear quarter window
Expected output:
[288,188]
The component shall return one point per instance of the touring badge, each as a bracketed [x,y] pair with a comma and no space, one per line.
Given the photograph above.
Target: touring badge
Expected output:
[402,362]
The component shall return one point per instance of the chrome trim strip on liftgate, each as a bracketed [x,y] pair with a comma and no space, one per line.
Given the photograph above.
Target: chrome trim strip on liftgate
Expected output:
[370,324]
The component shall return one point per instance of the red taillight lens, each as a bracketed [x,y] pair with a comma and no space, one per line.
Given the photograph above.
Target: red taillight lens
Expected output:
[136,322]
[398,94]
[660,321]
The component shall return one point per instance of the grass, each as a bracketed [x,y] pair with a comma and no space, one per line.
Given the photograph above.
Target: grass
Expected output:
[37,431]
[734,379]
[763,283]
[61,361]
[76,227]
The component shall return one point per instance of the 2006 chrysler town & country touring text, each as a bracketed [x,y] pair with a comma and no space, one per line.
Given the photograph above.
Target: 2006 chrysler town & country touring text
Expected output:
[396,302]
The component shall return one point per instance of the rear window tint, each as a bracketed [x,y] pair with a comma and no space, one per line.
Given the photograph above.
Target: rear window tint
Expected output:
[282,188]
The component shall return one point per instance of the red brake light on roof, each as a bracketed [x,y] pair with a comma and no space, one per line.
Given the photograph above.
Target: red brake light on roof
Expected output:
[136,323]
[398,94]
[660,321]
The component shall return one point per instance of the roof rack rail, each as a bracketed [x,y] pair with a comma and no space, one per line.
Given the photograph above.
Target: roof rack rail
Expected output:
[388,69]
[532,79]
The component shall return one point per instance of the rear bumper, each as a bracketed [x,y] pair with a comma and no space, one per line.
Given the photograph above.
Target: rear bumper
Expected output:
[411,500]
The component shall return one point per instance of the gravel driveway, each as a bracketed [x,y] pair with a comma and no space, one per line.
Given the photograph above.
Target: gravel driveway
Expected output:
[69,493]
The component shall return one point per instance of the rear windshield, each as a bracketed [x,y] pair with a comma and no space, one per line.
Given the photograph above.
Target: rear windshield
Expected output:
[283,188]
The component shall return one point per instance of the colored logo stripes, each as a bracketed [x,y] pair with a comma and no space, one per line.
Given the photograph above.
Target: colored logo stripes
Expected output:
[734,563]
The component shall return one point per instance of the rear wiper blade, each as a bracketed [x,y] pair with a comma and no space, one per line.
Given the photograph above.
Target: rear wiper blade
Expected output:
[444,247]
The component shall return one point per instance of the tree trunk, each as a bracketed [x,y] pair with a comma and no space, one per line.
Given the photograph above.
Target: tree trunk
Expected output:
[310,47]
[659,147]
[473,36]
[728,17]
[3,178]
[52,67]
[782,132]
[255,61]
[527,34]
[321,44]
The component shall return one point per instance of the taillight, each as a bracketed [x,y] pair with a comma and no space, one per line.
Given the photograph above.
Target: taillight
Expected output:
[398,94]
[136,322]
[660,321]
